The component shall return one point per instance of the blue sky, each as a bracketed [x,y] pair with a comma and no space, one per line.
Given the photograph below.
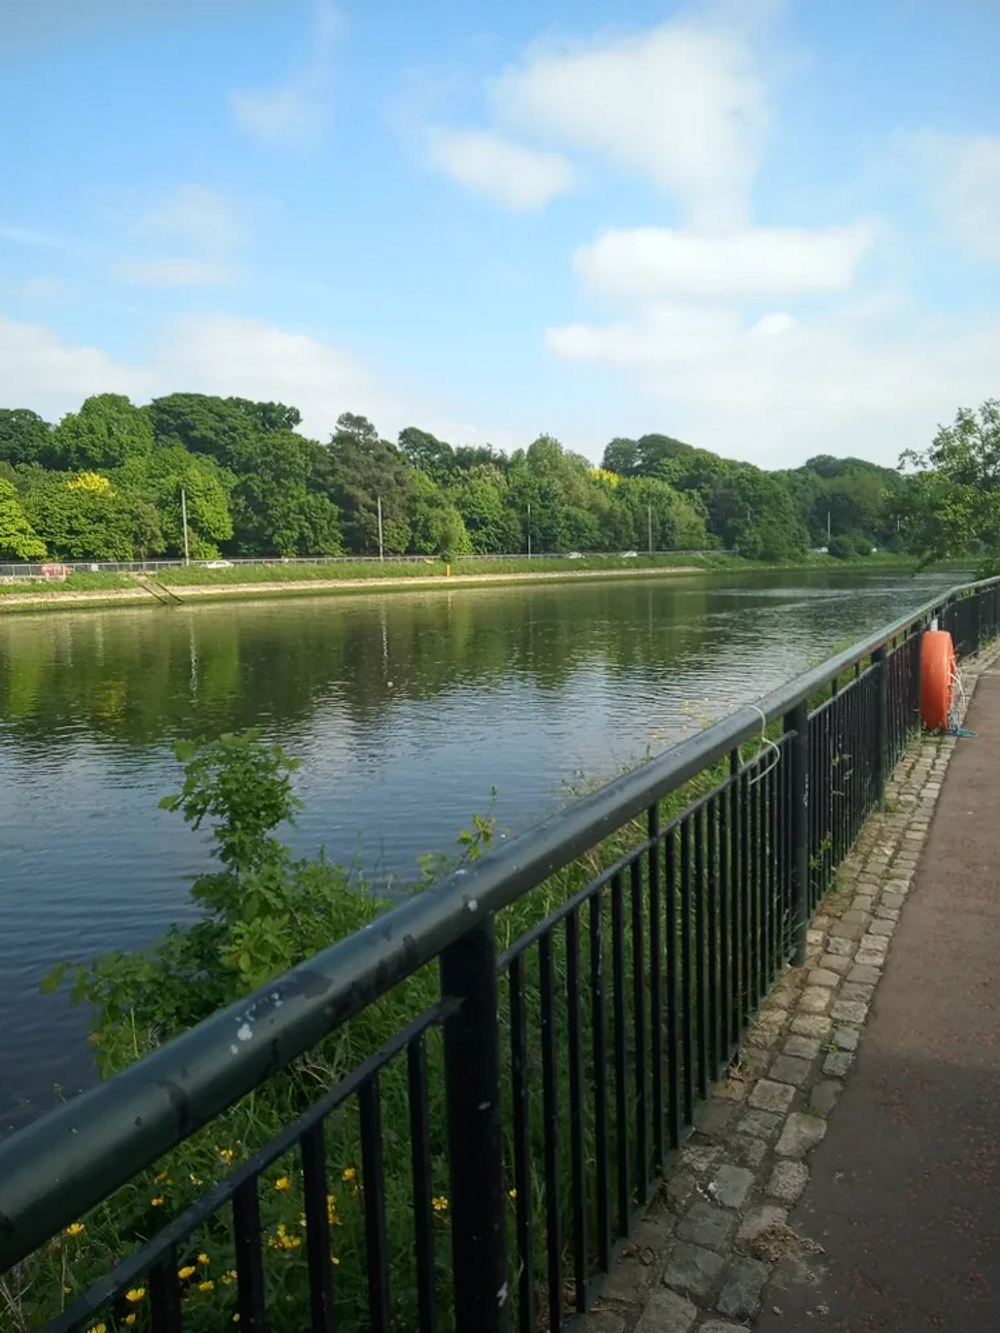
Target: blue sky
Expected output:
[769,228]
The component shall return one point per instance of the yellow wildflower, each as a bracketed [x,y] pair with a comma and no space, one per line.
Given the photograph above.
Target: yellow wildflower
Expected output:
[203,1258]
[74,1228]
[512,1194]
[207,1285]
[439,1203]
[131,1318]
[135,1294]
[349,1173]
[226,1154]
[236,1317]
[161,1176]
[334,1259]
[158,1201]
[98,1328]
[302,1219]
[186,1271]
[282,1183]
[229,1277]
[195,1180]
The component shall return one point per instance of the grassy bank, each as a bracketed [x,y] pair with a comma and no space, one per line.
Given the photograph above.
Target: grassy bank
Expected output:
[253,581]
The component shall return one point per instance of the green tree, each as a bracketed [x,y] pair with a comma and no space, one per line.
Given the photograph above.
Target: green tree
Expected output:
[18,539]
[80,523]
[426,453]
[24,437]
[676,520]
[436,526]
[952,504]
[360,470]
[480,496]
[621,456]
[107,432]
[158,479]
[222,428]
[757,516]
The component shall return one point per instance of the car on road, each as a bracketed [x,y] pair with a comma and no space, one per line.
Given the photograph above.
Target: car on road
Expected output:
[629,555]
[217,564]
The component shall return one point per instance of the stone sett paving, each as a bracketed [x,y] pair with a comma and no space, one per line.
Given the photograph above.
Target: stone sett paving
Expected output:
[705,1251]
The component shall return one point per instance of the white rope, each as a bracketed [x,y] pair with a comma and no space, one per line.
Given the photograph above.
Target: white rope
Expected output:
[766,743]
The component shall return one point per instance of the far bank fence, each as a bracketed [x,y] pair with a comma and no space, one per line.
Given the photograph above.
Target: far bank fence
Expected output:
[546,1088]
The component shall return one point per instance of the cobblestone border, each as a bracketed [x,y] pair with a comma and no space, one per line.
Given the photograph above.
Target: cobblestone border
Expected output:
[701,1257]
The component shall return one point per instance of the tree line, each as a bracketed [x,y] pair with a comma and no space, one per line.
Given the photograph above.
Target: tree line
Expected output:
[106,482]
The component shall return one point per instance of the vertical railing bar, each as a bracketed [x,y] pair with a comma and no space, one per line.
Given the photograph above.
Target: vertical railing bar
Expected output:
[621,1058]
[550,1115]
[712,887]
[312,1146]
[639,1033]
[577,1126]
[164,1295]
[656,1047]
[701,951]
[674,1038]
[597,1023]
[725,924]
[746,914]
[797,721]
[522,1146]
[478,1208]
[373,1181]
[420,1160]
[687,972]
[249,1261]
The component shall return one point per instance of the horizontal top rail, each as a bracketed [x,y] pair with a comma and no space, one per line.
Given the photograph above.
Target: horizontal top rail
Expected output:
[100,1139]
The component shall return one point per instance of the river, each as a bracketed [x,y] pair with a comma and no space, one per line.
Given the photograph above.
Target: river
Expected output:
[406,712]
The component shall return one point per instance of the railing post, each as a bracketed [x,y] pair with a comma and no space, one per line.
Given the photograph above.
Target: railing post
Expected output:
[797,721]
[475,1133]
[880,661]
[977,621]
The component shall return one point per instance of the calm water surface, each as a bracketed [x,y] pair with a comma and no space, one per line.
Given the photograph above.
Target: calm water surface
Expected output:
[405,711]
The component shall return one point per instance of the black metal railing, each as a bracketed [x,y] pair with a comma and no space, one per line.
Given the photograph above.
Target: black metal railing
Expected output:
[495,1144]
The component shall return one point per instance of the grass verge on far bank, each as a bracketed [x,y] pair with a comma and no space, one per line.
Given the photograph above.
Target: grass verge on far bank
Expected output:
[251,580]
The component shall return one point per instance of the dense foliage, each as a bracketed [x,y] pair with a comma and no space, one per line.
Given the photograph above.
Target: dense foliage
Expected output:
[953,496]
[106,483]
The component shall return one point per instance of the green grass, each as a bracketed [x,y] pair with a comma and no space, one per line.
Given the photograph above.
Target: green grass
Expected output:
[85,581]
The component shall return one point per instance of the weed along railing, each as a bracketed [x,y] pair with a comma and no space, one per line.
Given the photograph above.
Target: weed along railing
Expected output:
[529,1042]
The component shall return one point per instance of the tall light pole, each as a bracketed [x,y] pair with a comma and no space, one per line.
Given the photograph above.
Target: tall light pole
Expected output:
[184,522]
[381,551]
[529,529]
[649,524]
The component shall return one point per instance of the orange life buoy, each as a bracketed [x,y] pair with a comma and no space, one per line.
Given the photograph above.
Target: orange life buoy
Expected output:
[938,674]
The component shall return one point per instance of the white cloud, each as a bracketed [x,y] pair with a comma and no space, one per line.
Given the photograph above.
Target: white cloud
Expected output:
[210,353]
[779,389]
[682,105]
[759,264]
[193,213]
[172,273]
[225,354]
[962,174]
[40,370]
[291,114]
[516,177]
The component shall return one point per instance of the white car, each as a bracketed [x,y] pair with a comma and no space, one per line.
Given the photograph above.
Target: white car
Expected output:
[217,564]
[629,555]
[575,555]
